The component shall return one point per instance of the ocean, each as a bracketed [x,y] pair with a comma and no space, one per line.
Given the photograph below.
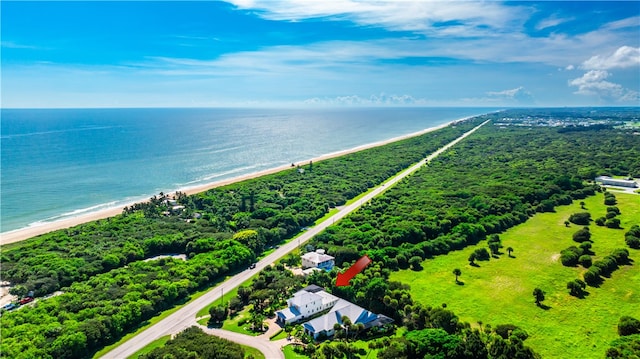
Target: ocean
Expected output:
[61,163]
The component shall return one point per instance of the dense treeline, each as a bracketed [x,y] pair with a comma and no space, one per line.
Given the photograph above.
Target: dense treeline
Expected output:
[108,291]
[99,311]
[495,179]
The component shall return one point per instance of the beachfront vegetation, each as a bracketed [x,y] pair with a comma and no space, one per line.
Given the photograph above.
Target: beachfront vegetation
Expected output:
[492,181]
[108,290]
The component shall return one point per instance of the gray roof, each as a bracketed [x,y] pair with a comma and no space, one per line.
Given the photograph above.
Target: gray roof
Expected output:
[342,308]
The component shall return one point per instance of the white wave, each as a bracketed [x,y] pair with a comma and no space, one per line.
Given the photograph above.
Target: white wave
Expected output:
[55,131]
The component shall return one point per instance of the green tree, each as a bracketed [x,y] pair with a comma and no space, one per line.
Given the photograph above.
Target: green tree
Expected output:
[509,250]
[457,272]
[218,313]
[581,218]
[628,326]
[582,235]
[414,262]
[585,260]
[494,247]
[538,294]
[576,287]
[472,258]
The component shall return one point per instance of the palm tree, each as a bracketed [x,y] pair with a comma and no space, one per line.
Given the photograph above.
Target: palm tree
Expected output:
[457,272]
[509,250]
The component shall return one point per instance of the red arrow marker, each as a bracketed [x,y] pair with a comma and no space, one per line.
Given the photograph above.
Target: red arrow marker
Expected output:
[344,278]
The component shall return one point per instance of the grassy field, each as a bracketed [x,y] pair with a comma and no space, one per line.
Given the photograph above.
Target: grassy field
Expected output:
[499,291]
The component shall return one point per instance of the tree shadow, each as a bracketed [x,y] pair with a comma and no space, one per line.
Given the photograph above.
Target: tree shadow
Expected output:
[474,265]
[512,256]
[459,282]
[214,325]
[495,256]
[584,295]
[543,306]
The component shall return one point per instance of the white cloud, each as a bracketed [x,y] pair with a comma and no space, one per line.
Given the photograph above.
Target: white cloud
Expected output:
[406,15]
[518,94]
[623,57]
[551,21]
[569,67]
[594,83]
[14,45]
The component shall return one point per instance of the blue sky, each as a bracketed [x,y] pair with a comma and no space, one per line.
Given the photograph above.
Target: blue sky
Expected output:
[254,53]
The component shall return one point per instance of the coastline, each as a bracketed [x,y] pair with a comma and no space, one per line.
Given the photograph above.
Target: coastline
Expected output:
[21,234]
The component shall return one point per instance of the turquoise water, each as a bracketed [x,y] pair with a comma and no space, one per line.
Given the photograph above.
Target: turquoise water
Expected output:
[62,163]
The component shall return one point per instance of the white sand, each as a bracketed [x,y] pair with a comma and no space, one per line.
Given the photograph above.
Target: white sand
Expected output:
[25,233]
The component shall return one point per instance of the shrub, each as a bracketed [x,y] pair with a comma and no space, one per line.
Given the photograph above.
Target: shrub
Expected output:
[609,199]
[582,218]
[633,242]
[585,260]
[612,223]
[569,258]
[613,209]
[582,235]
[601,221]
[592,276]
[576,287]
[482,254]
[585,247]
[505,330]
[621,256]
[628,326]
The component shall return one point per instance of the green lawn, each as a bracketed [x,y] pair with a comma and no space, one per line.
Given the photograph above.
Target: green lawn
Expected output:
[252,351]
[281,334]
[233,323]
[500,291]
[290,354]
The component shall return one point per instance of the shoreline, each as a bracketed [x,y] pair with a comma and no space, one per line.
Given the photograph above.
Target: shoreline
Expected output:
[21,234]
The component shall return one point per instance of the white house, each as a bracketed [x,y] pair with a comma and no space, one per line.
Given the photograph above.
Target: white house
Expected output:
[605,180]
[305,303]
[313,300]
[318,259]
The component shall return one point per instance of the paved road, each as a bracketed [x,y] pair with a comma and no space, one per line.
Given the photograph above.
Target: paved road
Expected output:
[185,316]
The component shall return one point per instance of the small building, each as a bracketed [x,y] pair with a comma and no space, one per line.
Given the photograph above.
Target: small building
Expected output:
[606,180]
[318,259]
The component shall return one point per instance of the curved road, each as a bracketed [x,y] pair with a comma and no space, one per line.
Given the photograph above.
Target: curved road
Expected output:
[185,316]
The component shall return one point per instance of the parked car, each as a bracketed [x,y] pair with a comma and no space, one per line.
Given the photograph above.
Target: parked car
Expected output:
[253,265]
[25,300]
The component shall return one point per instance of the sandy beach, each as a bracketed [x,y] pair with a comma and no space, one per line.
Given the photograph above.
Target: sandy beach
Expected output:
[29,232]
